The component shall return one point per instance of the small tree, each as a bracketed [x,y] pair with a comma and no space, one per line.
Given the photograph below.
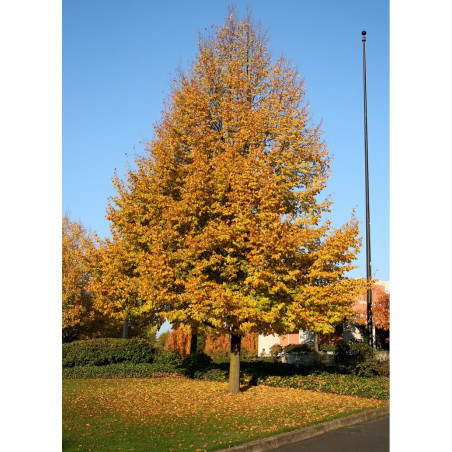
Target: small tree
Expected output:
[80,319]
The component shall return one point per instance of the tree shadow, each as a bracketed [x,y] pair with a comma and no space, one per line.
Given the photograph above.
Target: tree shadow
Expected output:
[253,382]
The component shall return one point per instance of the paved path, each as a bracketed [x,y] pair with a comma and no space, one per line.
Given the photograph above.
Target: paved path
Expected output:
[370,436]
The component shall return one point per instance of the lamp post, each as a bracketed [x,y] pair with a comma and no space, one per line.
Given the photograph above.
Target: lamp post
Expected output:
[368,257]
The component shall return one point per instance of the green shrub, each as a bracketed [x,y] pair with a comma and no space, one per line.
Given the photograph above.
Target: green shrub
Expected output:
[121,370]
[161,340]
[101,352]
[267,373]
[298,348]
[328,348]
[193,363]
[275,350]
[248,354]
[382,368]
[356,358]
[170,357]
[211,374]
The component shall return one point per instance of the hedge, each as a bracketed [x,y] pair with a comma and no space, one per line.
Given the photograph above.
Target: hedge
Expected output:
[121,370]
[101,352]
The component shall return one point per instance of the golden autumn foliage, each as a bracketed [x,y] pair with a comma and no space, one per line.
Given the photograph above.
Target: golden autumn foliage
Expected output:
[220,224]
[80,319]
[77,301]
[223,213]
[115,285]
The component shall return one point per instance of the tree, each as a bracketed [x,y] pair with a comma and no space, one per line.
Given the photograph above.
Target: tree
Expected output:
[380,309]
[80,319]
[180,341]
[381,312]
[223,214]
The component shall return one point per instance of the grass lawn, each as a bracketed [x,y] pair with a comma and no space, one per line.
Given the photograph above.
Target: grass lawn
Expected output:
[169,414]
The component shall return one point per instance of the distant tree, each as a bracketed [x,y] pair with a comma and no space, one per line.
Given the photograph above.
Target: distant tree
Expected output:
[161,340]
[80,318]
[380,312]
[380,309]
[179,341]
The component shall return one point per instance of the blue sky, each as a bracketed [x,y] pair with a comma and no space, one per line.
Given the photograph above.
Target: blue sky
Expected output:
[118,57]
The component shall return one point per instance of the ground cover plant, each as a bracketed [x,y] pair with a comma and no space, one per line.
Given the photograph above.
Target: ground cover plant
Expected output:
[169,414]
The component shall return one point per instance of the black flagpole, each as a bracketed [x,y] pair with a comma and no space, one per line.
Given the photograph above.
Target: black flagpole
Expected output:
[368,259]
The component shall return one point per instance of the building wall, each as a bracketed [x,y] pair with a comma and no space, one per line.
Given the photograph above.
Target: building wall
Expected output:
[289,339]
[264,343]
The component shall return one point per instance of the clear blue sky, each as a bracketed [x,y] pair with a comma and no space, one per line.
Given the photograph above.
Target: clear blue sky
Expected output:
[118,57]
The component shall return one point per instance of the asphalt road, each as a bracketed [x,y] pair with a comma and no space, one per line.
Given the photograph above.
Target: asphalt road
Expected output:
[370,436]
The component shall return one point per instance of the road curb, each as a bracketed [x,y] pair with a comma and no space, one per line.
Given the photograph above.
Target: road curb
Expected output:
[285,439]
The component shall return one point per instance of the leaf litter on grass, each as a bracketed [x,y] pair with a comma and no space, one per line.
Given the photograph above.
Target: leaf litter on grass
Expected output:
[184,414]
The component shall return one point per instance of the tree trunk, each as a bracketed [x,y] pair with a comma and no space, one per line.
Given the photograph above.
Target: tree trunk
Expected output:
[125,329]
[234,364]
[193,343]
[316,343]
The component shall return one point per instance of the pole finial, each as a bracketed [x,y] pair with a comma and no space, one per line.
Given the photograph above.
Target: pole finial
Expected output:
[363,32]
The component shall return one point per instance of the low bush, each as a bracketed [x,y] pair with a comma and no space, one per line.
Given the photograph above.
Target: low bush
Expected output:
[356,358]
[197,362]
[102,352]
[213,374]
[121,370]
[168,357]
[328,348]
[382,368]
[248,354]
[275,350]
[298,348]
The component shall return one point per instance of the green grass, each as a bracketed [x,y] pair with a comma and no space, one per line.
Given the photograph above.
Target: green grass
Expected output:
[167,414]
